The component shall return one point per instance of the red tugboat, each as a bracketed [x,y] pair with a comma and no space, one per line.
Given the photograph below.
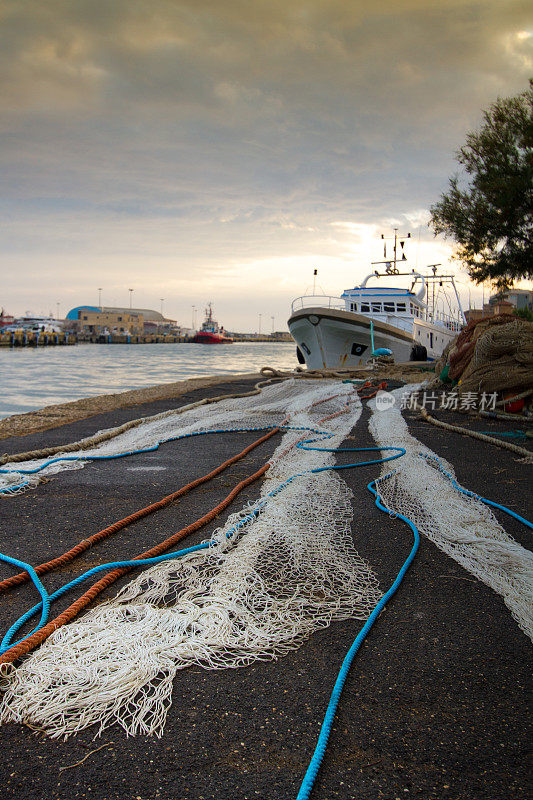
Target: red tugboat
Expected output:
[210,332]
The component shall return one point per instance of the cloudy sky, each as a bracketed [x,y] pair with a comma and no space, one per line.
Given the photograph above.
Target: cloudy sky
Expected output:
[198,150]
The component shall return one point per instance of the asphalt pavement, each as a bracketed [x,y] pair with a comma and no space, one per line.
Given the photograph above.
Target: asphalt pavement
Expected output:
[434,706]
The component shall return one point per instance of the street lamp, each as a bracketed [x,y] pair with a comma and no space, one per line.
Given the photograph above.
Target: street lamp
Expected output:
[100,298]
[162,300]
[272,318]
[57,306]
[193,316]
[259,324]
[131,296]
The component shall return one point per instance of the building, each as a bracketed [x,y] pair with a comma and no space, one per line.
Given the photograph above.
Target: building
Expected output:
[105,322]
[518,298]
[502,303]
[113,319]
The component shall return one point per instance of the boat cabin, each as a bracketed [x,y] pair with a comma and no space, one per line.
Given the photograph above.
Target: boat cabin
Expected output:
[388,304]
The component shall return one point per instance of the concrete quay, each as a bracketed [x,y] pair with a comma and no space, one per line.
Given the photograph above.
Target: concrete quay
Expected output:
[434,706]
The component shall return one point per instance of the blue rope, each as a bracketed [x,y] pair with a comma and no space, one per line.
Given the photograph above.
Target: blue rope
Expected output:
[509,434]
[7,642]
[474,495]
[46,601]
[314,765]
[13,489]
[325,731]
[35,470]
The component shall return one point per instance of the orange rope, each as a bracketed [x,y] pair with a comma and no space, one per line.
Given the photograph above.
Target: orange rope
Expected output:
[70,555]
[369,385]
[41,635]
[37,638]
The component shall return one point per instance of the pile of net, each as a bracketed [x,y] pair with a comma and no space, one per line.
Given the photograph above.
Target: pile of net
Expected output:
[494,354]
[463,527]
[267,582]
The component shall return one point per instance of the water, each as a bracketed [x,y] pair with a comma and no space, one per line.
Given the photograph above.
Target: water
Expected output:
[31,378]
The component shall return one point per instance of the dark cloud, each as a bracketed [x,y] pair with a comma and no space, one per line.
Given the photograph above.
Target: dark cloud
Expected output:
[233,130]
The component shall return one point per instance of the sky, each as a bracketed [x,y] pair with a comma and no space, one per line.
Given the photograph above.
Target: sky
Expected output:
[221,150]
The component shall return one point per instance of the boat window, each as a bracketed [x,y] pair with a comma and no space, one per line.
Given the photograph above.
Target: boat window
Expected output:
[401,307]
[376,307]
[353,306]
[431,340]
[365,307]
[389,307]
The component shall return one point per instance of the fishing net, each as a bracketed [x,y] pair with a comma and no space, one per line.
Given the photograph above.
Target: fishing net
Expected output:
[461,526]
[494,354]
[270,408]
[278,570]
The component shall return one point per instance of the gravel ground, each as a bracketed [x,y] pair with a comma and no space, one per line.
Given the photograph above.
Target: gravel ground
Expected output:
[434,706]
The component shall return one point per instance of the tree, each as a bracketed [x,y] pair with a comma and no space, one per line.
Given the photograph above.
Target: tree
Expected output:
[491,219]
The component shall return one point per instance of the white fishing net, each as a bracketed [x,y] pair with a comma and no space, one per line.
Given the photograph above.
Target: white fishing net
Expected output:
[269,408]
[285,572]
[461,526]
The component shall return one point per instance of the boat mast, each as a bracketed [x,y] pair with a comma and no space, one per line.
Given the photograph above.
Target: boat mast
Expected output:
[433,267]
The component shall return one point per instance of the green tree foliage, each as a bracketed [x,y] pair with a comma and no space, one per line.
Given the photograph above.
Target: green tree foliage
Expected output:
[491,219]
[524,313]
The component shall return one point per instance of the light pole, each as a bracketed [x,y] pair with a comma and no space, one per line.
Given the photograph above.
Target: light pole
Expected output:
[100,298]
[272,318]
[57,306]
[259,324]
[162,301]
[131,296]
[193,315]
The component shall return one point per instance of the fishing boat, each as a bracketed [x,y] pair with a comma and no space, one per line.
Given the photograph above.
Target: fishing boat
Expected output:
[368,320]
[211,332]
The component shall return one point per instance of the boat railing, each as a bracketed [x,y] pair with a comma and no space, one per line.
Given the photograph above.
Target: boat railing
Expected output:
[447,320]
[322,300]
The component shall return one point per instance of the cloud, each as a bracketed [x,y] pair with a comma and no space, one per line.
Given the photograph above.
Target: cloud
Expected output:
[215,134]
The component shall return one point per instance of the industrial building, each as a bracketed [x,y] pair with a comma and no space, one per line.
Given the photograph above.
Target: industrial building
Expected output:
[111,319]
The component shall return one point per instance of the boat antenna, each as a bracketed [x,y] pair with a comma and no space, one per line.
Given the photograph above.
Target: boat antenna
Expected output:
[391,263]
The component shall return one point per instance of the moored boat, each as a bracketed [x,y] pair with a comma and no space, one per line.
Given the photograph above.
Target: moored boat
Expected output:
[367,321]
[211,332]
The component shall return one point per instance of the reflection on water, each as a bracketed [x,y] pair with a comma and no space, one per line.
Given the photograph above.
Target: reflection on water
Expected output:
[31,378]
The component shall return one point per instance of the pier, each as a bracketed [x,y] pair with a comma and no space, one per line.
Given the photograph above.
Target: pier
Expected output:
[29,338]
[127,338]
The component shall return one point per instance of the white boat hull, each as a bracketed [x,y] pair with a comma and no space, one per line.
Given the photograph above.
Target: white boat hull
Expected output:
[333,339]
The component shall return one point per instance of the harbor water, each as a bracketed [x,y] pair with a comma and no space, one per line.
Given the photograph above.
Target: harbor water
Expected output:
[32,378]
